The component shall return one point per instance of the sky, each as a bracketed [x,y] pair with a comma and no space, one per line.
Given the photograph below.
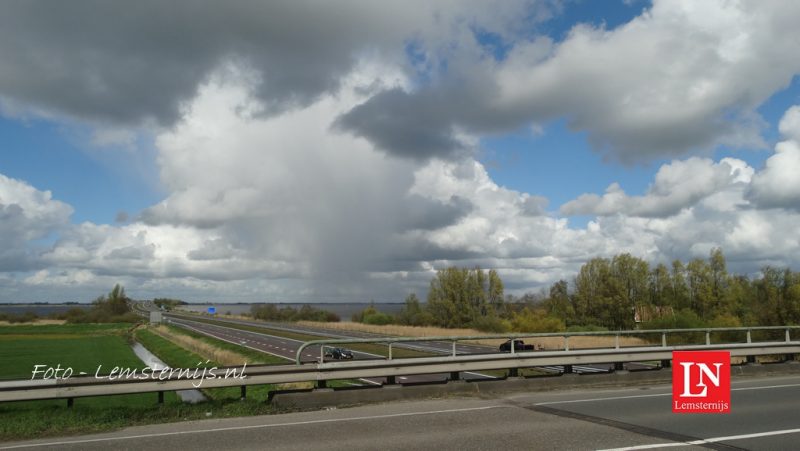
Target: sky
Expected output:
[345,151]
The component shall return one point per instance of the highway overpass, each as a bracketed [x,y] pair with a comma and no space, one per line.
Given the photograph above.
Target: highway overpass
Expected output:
[763,417]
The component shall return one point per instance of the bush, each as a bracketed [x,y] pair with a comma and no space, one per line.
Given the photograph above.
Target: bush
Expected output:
[115,308]
[684,319]
[378,319]
[27,317]
[371,315]
[535,321]
[491,324]
[270,312]
[728,320]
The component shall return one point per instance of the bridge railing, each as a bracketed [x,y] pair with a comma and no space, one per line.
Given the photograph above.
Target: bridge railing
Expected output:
[74,387]
[664,335]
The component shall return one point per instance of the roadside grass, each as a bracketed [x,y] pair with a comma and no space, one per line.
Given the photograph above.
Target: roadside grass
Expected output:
[169,353]
[178,357]
[377,349]
[19,422]
[250,355]
[201,348]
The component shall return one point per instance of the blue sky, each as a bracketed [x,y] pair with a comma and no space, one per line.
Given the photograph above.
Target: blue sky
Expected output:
[313,158]
[98,183]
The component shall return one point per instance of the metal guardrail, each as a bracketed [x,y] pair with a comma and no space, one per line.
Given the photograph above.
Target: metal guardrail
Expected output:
[565,335]
[74,387]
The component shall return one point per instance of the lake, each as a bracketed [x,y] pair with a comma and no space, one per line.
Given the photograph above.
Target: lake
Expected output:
[344,310]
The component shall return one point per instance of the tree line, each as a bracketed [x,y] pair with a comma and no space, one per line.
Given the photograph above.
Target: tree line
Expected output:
[700,293]
[270,312]
[621,292]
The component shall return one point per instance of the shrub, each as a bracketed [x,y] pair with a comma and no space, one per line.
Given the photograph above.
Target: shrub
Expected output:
[491,324]
[536,321]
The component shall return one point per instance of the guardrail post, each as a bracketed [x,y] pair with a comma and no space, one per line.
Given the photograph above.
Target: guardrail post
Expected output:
[244,392]
[161,397]
[566,344]
[666,363]
[567,369]
[749,337]
[322,384]
[455,376]
[616,341]
[708,338]
[70,402]
[454,348]
[663,339]
[619,366]
[390,380]
[513,372]
[788,338]
[321,353]
[390,351]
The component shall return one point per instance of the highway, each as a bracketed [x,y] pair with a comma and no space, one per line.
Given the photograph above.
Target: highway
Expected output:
[287,348]
[436,347]
[267,343]
[763,417]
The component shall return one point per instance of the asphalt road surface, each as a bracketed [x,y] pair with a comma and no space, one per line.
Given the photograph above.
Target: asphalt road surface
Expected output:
[436,347]
[287,348]
[764,416]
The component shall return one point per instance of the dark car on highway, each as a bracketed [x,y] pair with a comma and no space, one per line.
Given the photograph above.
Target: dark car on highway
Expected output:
[339,353]
[519,345]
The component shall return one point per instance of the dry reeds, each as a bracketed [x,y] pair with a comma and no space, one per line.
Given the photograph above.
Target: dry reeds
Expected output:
[38,322]
[201,348]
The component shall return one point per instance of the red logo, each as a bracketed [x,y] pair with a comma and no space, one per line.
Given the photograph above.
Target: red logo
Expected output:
[701,382]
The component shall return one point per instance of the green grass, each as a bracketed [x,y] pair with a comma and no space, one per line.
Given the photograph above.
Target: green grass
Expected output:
[169,353]
[178,357]
[19,422]
[82,347]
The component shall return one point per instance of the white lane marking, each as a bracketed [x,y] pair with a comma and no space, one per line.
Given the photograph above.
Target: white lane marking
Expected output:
[602,399]
[705,441]
[656,395]
[255,426]
[480,374]
[233,342]
[274,336]
[765,388]
[369,381]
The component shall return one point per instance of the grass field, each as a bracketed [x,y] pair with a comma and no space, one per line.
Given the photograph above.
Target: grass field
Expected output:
[84,347]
